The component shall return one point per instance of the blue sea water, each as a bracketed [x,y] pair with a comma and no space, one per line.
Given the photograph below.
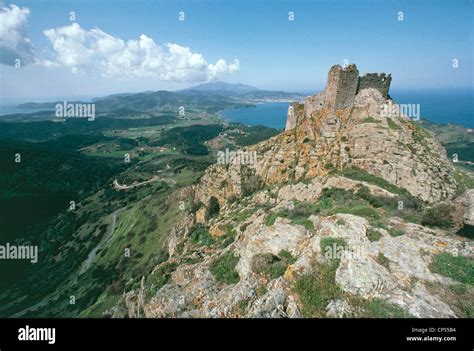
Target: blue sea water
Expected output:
[271,114]
[13,108]
[438,106]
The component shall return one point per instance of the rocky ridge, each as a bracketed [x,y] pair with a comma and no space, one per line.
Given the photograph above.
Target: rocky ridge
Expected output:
[296,234]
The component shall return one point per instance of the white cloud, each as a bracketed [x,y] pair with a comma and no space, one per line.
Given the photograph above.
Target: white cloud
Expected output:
[14,43]
[80,49]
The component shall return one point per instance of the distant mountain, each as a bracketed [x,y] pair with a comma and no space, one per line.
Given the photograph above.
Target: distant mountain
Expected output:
[208,97]
[119,95]
[241,92]
[145,104]
[223,87]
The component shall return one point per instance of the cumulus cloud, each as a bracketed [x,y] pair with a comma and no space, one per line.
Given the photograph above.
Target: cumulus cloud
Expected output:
[80,49]
[14,43]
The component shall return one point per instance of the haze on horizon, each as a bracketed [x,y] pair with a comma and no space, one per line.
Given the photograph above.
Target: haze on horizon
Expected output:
[159,45]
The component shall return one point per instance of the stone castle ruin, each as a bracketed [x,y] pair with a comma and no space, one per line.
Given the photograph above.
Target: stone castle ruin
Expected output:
[342,86]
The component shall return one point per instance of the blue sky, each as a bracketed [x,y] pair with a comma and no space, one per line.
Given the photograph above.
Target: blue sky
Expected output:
[272,52]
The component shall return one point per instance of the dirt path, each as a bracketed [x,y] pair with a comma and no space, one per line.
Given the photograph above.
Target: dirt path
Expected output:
[119,186]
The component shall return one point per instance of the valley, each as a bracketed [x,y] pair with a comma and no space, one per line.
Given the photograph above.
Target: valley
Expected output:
[81,250]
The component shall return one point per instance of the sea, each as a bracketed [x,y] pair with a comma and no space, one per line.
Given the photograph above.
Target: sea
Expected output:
[438,106]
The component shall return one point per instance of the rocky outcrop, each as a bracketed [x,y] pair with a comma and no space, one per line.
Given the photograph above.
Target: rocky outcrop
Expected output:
[193,291]
[467,203]
[340,129]
[343,84]
[345,126]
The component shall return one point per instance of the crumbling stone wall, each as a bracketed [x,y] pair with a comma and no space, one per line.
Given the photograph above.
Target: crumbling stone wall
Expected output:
[379,81]
[341,87]
[313,103]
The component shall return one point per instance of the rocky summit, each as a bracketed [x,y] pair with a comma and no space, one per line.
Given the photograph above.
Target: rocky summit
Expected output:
[354,210]
[346,126]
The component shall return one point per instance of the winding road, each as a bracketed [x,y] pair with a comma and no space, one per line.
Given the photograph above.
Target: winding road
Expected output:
[119,186]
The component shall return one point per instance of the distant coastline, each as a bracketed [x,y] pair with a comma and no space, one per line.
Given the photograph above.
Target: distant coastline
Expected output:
[437,106]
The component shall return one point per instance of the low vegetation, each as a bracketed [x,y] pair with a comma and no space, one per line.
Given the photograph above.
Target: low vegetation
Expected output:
[392,124]
[363,176]
[370,120]
[459,268]
[271,266]
[316,289]
[200,235]
[376,308]
[459,297]
[161,276]
[438,216]
[372,234]
[383,260]
[223,268]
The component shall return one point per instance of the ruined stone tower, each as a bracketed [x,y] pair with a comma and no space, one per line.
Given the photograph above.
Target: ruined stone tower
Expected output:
[379,81]
[341,87]
[343,84]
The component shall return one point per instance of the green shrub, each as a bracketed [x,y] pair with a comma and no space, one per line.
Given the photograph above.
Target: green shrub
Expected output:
[370,120]
[392,124]
[304,222]
[362,211]
[325,203]
[459,297]
[287,256]
[271,266]
[161,276]
[317,289]
[268,265]
[377,201]
[337,195]
[383,260]
[229,235]
[373,235]
[376,308]
[330,247]
[363,176]
[223,268]
[394,232]
[200,235]
[271,218]
[459,268]
[302,209]
[330,242]
[438,216]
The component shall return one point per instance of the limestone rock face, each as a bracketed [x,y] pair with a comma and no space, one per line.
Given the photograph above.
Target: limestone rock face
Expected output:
[193,291]
[467,203]
[291,120]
